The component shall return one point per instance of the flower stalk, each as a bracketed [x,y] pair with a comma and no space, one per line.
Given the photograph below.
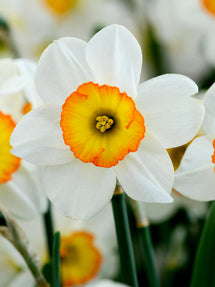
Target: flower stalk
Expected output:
[14,233]
[142,224]
[128,267]
[49,229]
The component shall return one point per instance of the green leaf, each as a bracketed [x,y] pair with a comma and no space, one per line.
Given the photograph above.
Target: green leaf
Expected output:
[56,261]
[204,265]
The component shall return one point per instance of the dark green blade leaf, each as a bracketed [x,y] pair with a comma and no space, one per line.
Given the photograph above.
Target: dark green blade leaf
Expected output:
[204,265]
[56,261]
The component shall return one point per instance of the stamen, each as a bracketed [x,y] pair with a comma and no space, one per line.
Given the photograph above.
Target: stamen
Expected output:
[104,123]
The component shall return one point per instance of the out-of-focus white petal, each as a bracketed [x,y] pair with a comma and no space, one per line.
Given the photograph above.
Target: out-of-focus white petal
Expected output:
[22,195]
[38,138]
[79,189]
[61,69]
[115,58]
[169,110]
[27,70]
[209,119]
[147,175]
[195,177]
[23,278]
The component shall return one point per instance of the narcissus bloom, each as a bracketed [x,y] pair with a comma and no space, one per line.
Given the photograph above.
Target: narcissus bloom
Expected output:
[97,125]
[195,177]
[20,188]
[88,250]
[189,26]
[59,18]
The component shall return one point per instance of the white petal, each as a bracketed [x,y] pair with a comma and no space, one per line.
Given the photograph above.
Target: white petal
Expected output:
[79,189]
[195,177]
[27,70]
[23,278]
[61,69]
[38,138]
[21,196]
[115,57]
[159,212]
[147,175]
[169,110]
[209,119]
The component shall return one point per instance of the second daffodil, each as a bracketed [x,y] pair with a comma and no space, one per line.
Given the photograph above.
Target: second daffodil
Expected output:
[97,125]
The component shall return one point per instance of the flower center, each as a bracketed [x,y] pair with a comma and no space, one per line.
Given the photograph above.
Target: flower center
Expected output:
[8,163]
[61,6]
[209,6]
[101,125]
[104,123]
[80,259]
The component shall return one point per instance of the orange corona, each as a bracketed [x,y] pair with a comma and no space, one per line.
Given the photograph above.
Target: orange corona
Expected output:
[80,259]
[26,108]
[209,5]
[61,6]
[8,162]
[101,125]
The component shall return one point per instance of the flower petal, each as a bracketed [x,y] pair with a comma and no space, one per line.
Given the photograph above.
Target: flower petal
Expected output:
[38,138]
[79,189]
[61,69]
[147,175]
[115,57]
[209,119]
[22,196]
[169,110]
[195,177]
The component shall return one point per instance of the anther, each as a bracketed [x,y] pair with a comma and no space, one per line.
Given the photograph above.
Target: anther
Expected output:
[104,123]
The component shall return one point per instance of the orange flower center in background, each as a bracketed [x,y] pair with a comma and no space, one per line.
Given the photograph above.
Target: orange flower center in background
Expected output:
[26,108]
[61,6]
[101,125]
[213,156]
[209,5]
[8,162]
[80,259]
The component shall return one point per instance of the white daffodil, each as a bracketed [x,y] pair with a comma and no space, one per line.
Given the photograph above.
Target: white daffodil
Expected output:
[97,125]
[20,187]
[195,177]
[183,44]
[88,250]
[58,18]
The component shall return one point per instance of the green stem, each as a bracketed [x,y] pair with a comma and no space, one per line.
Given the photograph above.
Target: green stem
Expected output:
[56,261]
[149,256]
[128,268]
[49,229]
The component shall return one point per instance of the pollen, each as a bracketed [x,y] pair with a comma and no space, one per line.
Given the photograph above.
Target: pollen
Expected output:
[209,5]
[104,123]
[80,259]
[101,124]
[9,163]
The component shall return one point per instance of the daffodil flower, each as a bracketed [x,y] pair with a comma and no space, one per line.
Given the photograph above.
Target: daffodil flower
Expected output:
[195,177]
[106,283]
[20,188]
[88,251]
[59,18]
[97,125]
